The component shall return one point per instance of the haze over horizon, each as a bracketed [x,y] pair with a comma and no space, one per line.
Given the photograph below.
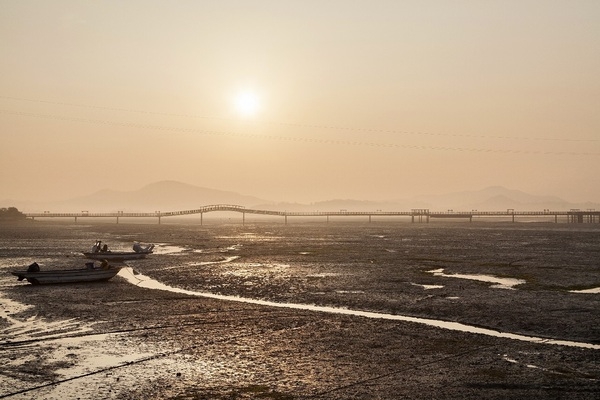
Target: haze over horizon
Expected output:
[300,101]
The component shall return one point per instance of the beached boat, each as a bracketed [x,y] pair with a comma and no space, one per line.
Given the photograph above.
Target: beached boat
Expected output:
[87,274]
[117,255]
[100,252]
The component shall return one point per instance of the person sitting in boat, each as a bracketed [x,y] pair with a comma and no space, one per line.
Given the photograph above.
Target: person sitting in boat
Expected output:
[104,265]
[96,246]
[104,248]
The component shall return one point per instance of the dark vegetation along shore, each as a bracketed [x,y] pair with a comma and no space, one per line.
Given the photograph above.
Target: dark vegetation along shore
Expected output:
[128,339]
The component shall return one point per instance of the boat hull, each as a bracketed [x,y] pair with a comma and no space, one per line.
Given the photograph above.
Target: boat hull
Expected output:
[67,276]
[117,255]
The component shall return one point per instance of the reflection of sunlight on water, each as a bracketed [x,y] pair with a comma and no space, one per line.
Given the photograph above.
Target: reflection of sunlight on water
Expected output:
[592,290]
[350,291]
[71,351]
[245,272]
[225,260]
[254,237]
[90,355]
[162,248]
[95,352]
[323,275]
[146,282]
[34,327]
[202,263]
[427,287]
[231,248]
[501,283]
[510,360]
[168,249]
[513,361]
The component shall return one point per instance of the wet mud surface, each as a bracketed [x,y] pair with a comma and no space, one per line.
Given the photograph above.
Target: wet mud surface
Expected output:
[120,340]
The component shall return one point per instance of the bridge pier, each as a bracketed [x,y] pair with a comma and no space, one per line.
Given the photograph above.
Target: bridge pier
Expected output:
[201,218]
[243,218]
[576,218]
[412,218]
[420,212]
[579,217]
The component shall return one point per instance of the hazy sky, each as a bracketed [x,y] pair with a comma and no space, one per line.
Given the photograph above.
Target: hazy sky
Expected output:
[339,99]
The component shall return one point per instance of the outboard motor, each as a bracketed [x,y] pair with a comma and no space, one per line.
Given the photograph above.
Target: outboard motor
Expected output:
[33,268]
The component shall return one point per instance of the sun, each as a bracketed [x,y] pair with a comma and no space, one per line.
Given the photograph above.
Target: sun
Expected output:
[247,104]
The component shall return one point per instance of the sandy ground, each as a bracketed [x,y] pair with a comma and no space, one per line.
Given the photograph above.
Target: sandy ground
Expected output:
[122,341]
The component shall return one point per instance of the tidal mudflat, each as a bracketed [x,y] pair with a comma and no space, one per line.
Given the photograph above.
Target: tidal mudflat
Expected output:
[343,310]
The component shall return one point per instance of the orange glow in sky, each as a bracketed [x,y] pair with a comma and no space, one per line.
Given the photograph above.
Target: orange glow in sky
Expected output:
[366,100]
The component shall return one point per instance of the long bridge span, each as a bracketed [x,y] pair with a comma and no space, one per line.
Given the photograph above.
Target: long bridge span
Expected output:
[416,215]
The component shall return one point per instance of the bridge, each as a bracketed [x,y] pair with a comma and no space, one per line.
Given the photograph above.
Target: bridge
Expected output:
[416,215]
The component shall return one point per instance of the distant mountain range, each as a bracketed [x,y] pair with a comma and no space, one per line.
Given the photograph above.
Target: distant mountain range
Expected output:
[175,196]
[495,198]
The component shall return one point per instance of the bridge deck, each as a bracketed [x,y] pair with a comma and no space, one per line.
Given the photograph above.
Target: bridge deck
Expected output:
[420,214]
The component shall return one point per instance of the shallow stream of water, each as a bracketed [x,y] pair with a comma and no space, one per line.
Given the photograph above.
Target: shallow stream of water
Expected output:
[146,282]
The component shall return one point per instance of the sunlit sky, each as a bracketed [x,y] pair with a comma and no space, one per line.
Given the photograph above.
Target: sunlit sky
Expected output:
[300,100]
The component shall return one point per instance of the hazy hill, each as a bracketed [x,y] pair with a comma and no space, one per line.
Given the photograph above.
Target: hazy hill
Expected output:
[159,196]
[174,196]
[493,198]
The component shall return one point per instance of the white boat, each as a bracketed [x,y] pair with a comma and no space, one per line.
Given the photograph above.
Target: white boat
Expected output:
[100,252]
[87,274]
[117,255]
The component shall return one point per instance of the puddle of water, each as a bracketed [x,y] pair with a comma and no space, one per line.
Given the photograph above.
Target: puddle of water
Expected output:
[201,263]
[248,270]
[67,343]
[592,290]
[500,283]
[96,352]
[510,360]
[323,275]
[427,287]
[34,327]
[513,361]
[251,236]
[532,366]
[225,260]
[168,249]
[94,355]
[146,282]
[175,250]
